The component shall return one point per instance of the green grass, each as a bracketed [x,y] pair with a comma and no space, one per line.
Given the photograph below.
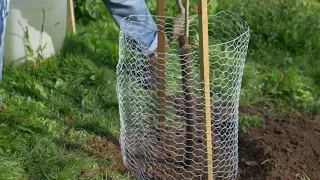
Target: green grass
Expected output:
[282,67]
[50,110]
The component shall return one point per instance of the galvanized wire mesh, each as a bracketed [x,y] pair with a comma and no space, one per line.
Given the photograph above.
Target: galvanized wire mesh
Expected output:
[176,149]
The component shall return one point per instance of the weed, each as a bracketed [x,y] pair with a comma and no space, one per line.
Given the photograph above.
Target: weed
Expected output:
[37,54]
[304,176]
[246,121]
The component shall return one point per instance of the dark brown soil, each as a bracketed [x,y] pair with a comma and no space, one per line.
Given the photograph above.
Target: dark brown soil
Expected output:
[106,148]
[283,147]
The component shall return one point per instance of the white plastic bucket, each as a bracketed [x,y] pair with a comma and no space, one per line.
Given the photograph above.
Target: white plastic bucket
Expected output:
[30,14]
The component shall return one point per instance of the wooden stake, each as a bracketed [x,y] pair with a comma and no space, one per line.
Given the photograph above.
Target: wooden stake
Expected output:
[161,61]
[70,17]
[205,75]
[187,18]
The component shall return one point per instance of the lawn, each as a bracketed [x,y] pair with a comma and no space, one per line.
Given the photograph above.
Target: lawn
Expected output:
[57,113]
[59,117]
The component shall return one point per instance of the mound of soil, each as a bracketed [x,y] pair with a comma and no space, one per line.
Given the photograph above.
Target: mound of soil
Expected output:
[104,147]
[282,148]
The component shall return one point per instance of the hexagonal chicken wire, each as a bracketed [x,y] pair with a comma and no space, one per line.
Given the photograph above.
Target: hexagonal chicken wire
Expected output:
[176,148]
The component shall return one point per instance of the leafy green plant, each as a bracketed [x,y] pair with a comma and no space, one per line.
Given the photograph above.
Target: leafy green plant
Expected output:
[289,87]
[89,10]
[247,121]
[305,176]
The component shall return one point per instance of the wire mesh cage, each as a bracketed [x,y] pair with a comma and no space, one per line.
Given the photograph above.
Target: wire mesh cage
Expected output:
[176,148]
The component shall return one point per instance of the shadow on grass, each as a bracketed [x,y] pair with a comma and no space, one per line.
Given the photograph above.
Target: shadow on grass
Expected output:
[99,131]
[102,50]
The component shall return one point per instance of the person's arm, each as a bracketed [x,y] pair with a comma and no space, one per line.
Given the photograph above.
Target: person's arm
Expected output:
[120,9]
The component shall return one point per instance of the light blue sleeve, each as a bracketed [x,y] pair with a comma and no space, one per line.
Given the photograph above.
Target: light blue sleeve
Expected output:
[120,9]
[4,10]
